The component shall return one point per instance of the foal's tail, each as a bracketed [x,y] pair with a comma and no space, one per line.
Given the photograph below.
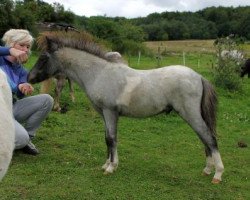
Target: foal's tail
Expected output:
[45,86]
[209,106]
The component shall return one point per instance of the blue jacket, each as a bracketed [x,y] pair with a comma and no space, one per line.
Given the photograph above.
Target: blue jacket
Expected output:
[16,73]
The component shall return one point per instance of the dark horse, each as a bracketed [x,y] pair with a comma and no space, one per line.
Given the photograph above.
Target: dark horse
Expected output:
[60,78]
[245,69]
[116,90]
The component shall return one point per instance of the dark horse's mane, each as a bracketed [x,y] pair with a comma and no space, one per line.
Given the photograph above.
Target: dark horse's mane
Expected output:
[76,40]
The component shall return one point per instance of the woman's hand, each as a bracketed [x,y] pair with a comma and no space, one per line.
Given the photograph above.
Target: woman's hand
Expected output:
[26,88]
[21,56]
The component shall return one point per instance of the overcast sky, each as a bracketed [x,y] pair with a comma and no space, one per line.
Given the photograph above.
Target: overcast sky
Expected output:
[140,8]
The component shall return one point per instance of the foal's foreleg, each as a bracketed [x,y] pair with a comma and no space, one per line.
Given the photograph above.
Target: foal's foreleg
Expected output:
[111,119]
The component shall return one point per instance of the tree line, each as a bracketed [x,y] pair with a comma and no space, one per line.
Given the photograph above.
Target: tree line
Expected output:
[209,23]
[127,35]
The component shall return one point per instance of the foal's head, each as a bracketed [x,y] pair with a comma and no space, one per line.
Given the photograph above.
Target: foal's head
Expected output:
[47,64]
[44,68]
[49,43]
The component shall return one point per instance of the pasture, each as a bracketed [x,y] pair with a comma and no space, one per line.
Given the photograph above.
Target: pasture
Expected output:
[160,157]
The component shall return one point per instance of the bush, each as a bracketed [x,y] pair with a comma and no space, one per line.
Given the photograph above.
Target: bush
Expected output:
[228,63]
[130,47]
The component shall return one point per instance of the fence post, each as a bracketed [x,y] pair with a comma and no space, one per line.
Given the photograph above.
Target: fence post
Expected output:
[158,57]
[199,58]
[184,58]
[139,58]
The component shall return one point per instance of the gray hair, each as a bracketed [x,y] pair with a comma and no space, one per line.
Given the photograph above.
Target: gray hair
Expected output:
[17,36]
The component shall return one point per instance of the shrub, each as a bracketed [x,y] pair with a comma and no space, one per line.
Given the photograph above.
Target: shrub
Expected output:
[229,59]
[130,47]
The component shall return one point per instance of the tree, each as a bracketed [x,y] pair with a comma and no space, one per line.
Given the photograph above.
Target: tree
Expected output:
[60,15]
[7,19]
[45,12]
[24,18]
[177,30]
[244,25]
[118,32]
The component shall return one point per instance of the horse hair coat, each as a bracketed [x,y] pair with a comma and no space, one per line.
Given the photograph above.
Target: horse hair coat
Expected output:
[115,90]
[7,130]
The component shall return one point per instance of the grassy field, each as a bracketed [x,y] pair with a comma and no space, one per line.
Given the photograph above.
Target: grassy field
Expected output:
[182,45]
[160,157]
[194,46]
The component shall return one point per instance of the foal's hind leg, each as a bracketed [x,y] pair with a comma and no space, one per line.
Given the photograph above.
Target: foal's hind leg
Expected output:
[45,86]
[58,90]
[193,117]
[209,162]
[111,119]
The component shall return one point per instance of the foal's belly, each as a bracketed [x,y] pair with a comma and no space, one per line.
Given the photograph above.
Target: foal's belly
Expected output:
[140,108]
[140,99]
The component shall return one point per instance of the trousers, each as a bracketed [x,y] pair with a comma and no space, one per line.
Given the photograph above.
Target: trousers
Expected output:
[29,113]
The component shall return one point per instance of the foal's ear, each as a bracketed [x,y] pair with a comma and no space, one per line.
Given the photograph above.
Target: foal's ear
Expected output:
[52,46]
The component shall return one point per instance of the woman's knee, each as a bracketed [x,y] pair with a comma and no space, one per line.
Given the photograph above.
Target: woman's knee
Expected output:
[48,101]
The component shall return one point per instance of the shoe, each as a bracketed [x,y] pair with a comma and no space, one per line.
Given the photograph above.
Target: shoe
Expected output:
[30,149]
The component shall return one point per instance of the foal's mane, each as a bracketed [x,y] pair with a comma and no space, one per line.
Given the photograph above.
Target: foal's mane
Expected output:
[81,41]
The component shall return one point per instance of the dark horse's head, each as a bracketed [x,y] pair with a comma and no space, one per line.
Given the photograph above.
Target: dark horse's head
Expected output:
[245,69]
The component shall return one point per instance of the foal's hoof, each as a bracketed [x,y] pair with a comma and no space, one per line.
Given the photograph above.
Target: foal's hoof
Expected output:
[109,168]
[107,173]
[105,166]
[216,181]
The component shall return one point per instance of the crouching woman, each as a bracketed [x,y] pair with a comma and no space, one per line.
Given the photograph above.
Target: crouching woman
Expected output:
[28,111]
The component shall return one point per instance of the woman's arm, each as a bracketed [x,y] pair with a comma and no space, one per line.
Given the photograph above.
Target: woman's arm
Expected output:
[4,51]
[21,56]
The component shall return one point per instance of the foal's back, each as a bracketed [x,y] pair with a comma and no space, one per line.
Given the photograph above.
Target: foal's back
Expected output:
[142,93]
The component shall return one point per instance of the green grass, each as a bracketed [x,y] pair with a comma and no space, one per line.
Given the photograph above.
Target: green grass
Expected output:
[160,157]
[182,45]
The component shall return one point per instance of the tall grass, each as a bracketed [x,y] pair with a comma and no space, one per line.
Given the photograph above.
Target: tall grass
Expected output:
[160,157]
